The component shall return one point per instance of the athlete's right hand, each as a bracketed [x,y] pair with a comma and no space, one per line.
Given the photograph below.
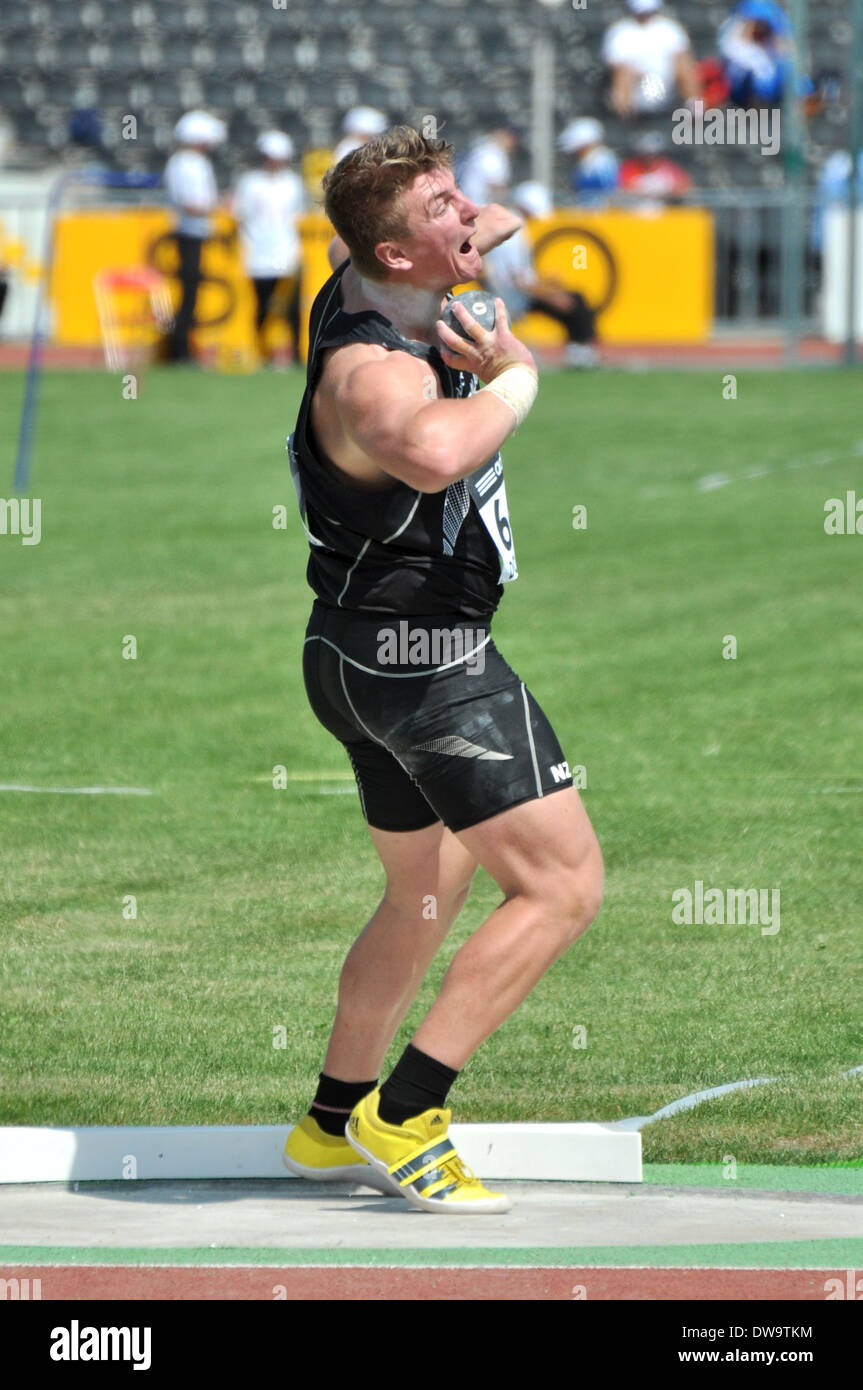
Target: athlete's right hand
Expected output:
[490,351]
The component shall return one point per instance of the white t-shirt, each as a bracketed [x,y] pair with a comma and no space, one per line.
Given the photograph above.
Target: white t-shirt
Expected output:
[190,182]
[267,206]
[504,266]
[485,172]
[648,48]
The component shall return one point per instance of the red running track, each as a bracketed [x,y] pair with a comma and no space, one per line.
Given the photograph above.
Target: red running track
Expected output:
[101,1283]
[743,351]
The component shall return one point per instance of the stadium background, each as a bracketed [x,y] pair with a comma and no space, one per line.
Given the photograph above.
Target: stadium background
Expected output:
[753,262]
[705,518]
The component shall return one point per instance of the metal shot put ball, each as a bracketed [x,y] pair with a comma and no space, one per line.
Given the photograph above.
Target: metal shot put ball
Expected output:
[478,304]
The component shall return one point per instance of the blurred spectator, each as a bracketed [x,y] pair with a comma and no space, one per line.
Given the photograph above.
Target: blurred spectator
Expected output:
[712,82]
[508,271]
[85,129]
[833,188]
[650,60]
[7,139]
[595,169]
[651,174]
[756,46]
[361,124]
[826,90]
[267,202]
[192,190]
[85,148]
[485,173]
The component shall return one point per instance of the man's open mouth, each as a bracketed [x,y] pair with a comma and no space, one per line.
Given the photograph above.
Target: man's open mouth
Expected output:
[465,247]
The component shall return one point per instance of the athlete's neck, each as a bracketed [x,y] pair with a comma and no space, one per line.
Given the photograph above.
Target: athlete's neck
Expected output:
[414,312]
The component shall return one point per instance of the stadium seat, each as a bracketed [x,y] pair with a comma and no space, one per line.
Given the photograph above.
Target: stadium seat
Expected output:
[308,62]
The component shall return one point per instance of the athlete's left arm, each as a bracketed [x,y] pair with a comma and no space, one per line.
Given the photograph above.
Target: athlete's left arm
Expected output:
[494,224]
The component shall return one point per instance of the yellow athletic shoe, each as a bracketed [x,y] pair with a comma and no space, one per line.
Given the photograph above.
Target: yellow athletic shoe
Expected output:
[421,1159]
[312,1153]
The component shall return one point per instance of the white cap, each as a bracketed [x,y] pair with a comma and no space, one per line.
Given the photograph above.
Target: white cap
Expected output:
[586,130]
[199,128]
[533,198]
[275,144]
[364,120]
[643,6]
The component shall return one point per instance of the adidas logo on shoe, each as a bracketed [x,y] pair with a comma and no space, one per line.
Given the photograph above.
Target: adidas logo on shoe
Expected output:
[436,1120]
[355,1125]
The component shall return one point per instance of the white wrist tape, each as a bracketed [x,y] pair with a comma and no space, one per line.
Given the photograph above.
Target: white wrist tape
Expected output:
[516,387]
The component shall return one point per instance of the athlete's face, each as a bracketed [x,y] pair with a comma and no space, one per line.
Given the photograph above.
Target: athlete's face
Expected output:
[437,251]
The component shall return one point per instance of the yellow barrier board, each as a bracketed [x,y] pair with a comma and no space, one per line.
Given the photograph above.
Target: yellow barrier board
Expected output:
[316,233]
[649,276]
[115,239]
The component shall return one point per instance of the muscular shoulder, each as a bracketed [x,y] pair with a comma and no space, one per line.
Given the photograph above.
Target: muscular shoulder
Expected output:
[368,377]
[365,397]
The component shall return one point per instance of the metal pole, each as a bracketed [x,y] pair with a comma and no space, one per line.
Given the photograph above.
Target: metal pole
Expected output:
[30,408]
[97,177]
[855,141]
[792,221]
[542,112]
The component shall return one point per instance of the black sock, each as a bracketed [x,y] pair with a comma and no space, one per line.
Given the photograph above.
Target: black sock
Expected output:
[418,1082]
[334,1100]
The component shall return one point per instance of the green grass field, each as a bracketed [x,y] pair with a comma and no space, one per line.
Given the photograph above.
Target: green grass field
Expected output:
[747,772]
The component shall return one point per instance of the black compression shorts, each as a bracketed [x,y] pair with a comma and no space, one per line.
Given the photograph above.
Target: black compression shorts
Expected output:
[436,724]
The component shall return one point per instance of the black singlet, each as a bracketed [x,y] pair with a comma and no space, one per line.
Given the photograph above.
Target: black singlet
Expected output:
[397,550]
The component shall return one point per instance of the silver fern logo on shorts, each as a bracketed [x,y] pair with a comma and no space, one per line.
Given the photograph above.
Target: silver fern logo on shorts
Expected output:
[454,746]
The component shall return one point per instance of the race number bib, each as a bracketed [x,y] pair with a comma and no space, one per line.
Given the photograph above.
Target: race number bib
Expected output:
[488,490]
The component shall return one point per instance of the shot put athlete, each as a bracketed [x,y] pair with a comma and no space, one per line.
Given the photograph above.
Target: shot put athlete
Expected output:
[396,462]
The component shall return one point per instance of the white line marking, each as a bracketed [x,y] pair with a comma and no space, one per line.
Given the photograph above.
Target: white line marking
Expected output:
[834,791]
[696,1098]
[307,777]
[689,1102]
[77,791]
[711,481]
[416,1263]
